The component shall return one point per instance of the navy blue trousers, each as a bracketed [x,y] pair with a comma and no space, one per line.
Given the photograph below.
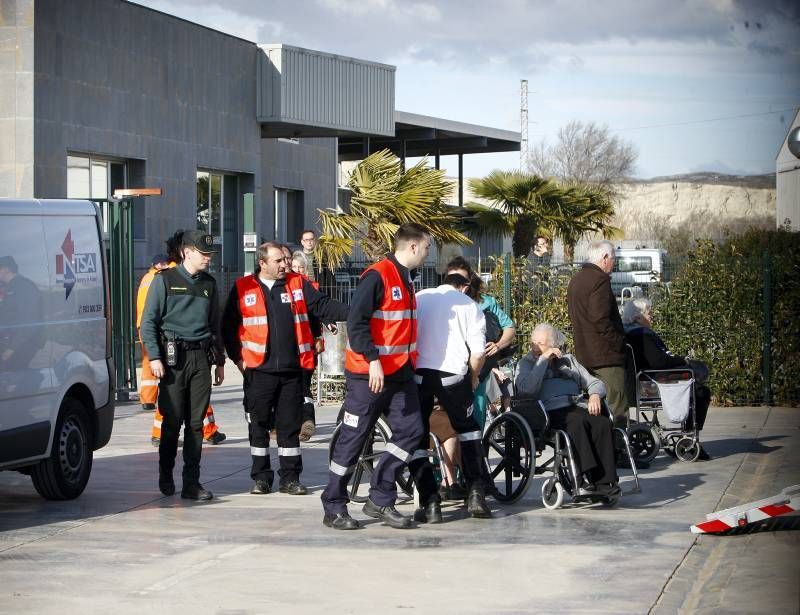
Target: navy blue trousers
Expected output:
[399,402]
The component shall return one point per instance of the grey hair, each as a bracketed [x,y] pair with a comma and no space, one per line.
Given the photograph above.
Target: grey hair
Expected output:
[634,308]
[597,250]
[299,256]
[554,336]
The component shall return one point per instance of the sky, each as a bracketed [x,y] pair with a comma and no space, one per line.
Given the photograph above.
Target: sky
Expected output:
[694,85]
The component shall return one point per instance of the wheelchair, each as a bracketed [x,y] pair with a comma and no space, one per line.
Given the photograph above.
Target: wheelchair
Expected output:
[648,434]
[374,447]
[516,438]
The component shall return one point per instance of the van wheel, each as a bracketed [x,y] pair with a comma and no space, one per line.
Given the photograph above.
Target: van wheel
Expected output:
[64,474]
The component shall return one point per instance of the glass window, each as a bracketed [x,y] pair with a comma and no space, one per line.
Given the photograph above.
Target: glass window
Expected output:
[78,183]
[633,263]
[202,201]
[99,179]
[90,178]
[215,209]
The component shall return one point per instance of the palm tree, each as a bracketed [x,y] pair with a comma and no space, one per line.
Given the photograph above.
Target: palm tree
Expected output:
[584,208]
[521,204]
[384,196]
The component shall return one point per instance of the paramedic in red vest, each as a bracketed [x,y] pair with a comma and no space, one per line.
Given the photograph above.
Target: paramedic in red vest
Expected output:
[379,364]
[267,334]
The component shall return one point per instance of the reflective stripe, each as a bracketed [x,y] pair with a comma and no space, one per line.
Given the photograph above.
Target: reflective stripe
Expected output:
[419,454]
[308,400]
[301,317]
[247,416]
[398,452]
[446,381]
[149,383]
[396,349]
[156,423]
[304,348]
[289,452]
[341,470]
[254,347]
[256,451]
[207,421]
[470,435]
[391,314]
[254,320]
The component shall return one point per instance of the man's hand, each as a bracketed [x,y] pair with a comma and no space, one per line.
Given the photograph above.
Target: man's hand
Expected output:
[157,367]
[491,349]
[594,404]
[375,376]
[219,375]
[319,345]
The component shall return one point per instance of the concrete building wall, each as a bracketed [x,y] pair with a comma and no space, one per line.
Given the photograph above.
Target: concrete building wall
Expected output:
[120,81]
[16,98]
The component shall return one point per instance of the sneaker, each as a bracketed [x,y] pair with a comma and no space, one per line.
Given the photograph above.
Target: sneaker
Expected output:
[307,430]
[260,487]
[196,492]
[293,487]
[388,514]
[217,438]
[155,442]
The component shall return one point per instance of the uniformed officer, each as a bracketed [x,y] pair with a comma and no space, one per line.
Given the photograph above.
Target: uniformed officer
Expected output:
[267,333]
[379,365]
[180,332]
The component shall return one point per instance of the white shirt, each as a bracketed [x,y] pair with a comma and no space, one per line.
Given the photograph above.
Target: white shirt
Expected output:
[450,327]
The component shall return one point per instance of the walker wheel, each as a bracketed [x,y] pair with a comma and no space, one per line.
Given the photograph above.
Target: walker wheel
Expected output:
[644,442]
[552,494]
[687,449]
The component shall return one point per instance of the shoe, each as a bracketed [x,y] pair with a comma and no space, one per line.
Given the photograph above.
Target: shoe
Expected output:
[703,456]
[148,406]
[166,484]
[432,513]
[388,514]
[624,462]
[340,521]
[307,430]
[607,489]
[293,487]
[587,488]
[217,438]
[260,487]
[453,492]
[196,492]
[476,505]
[155,441]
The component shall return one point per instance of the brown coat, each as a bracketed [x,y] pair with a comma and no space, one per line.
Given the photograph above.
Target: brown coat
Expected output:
[597,330]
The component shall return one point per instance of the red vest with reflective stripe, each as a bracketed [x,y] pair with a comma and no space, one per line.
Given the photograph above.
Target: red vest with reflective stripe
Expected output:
[393,325]
[254,330]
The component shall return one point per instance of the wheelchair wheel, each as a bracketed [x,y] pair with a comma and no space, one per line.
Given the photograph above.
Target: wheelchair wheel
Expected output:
[687,449]
[645,441]
[672,440]
[509,450]
[552,493]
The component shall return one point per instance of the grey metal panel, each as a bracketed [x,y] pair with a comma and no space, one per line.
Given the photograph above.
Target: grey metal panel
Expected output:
[320,90]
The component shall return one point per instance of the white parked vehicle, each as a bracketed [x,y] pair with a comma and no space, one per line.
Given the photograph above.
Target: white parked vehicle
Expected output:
[56,370]
[639,267]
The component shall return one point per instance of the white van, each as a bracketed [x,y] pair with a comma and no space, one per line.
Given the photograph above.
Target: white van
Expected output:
[56,370]
[639,267]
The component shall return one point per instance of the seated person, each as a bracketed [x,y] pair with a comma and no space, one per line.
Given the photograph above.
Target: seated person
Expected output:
[650,352]
[557,379]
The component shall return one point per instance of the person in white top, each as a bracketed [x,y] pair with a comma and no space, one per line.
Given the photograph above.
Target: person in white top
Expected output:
[451,338]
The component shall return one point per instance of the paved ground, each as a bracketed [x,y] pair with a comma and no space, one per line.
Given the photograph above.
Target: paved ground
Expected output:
[123,548]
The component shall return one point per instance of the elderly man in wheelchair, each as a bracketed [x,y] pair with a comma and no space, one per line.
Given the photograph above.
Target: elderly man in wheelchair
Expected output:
[572,398]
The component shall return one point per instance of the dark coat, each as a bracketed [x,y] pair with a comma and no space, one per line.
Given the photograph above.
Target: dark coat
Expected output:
[650,351]
[597,330]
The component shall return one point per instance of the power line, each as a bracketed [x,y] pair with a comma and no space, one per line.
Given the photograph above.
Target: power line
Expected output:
[705,121]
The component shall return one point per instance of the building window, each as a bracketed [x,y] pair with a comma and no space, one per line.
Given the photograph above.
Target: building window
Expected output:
[289,219]
[90,177]
[217,211]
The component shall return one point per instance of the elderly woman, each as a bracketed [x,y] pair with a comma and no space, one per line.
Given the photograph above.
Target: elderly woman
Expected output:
[650,352]
[559,381]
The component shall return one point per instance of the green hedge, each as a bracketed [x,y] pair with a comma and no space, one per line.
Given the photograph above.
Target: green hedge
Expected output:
[712,309]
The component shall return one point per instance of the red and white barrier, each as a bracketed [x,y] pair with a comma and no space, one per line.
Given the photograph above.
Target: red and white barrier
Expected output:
[786,501]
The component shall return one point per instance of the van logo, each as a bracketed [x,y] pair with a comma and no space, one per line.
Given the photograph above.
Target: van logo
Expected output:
[74,268]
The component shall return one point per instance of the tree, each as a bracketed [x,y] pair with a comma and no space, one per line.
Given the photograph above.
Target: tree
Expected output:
[583,209]
[384,196]
[585,153]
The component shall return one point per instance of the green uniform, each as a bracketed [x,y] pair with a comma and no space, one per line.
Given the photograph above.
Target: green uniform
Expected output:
[187,308]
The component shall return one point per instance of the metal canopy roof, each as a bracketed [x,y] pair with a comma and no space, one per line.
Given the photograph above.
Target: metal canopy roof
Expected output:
[420,135]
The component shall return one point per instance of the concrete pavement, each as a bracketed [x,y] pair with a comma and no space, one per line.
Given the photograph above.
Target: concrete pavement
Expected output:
[122,547]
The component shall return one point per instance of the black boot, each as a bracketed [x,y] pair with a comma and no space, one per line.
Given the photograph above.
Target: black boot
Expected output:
[196,491]
[388,514]
[166,484]
[476,504]
[430,513]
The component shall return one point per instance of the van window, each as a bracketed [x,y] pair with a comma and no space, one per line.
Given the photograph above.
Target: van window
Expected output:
[633,263]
